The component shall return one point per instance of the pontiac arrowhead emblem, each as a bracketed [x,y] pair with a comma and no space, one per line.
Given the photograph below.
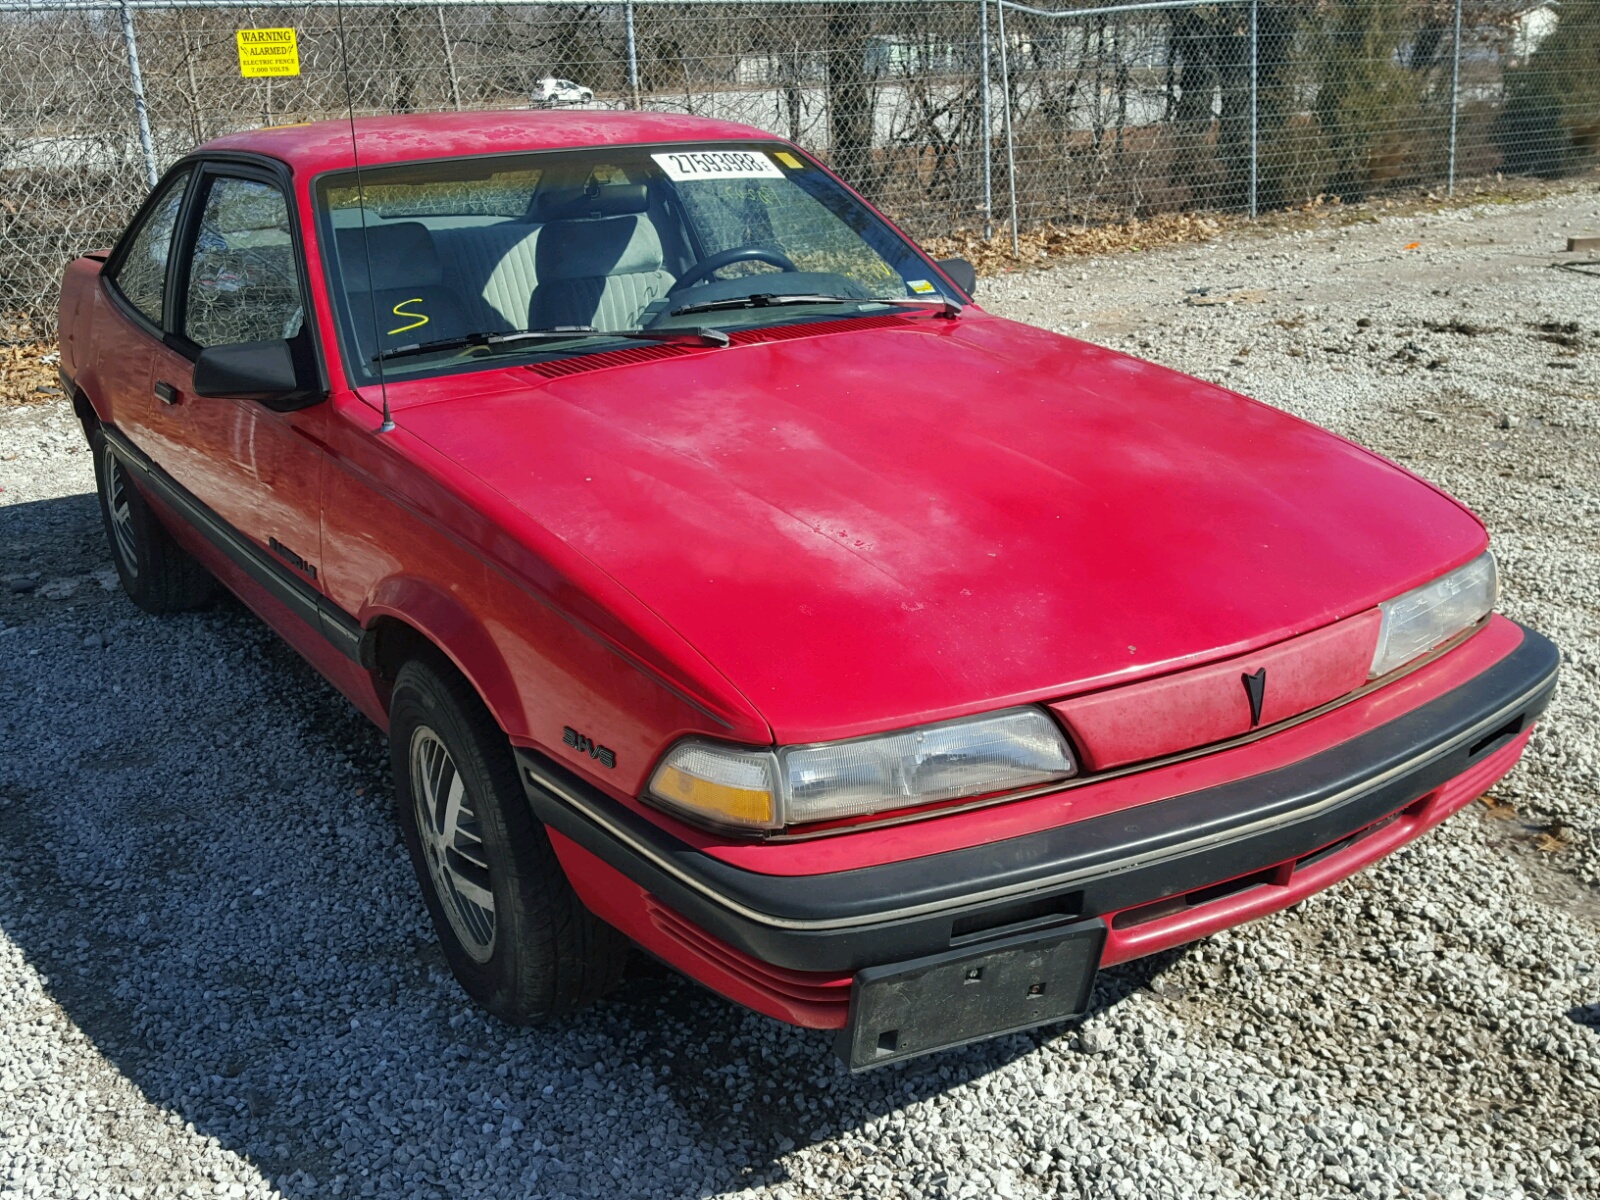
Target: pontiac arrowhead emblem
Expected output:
[1255,687]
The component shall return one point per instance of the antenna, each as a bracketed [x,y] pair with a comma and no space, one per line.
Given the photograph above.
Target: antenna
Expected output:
[361,202]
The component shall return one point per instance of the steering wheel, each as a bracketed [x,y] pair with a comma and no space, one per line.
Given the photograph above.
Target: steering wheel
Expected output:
[710,266]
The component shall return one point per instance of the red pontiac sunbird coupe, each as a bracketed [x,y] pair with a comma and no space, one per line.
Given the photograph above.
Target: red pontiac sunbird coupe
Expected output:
[729,583]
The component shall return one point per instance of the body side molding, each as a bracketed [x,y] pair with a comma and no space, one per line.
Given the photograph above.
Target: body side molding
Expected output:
[340,629]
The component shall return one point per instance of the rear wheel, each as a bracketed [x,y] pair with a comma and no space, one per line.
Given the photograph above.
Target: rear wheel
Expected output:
[159,575]
[516,936]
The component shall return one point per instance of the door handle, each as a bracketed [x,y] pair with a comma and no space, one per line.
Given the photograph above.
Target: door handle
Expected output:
[165,392]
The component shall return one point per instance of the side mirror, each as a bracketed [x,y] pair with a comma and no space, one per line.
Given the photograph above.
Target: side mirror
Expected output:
[276,374]
[962,273]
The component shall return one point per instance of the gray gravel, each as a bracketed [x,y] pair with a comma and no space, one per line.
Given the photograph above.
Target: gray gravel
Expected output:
[216,977]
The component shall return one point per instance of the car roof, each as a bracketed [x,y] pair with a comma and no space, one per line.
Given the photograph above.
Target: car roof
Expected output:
[326,145]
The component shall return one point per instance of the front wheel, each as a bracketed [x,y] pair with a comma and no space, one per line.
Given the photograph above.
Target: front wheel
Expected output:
[516,936]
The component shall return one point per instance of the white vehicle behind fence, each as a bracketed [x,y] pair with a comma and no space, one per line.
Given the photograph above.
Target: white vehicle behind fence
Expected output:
[551,92]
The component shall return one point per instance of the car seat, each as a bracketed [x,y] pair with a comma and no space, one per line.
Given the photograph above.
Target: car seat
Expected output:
[393,272]
[599,258]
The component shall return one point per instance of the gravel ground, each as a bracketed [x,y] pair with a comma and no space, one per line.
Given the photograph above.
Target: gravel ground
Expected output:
[216,977]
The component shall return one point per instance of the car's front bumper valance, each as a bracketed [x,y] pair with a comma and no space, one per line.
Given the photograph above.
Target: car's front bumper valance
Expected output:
[844,920]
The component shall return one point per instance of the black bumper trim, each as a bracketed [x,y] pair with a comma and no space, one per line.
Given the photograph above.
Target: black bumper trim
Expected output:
[849,919]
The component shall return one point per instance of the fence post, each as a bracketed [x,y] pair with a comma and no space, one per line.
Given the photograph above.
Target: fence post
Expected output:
[1011,146]
[450,61]
[131,44]
[1455,100]
[633,58]
[988,128]
[1255,133]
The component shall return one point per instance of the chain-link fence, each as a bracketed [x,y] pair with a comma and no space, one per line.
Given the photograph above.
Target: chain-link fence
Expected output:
[949,114]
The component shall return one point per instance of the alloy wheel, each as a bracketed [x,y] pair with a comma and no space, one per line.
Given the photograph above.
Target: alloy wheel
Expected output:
[115,481]
[452,843]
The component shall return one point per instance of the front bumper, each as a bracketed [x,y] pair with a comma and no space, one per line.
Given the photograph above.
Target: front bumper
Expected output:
[1147,871]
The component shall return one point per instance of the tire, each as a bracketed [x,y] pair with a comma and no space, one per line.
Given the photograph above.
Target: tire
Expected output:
[516,936]
[159,575]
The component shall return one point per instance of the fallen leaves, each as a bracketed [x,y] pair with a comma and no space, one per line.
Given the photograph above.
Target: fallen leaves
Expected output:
[1555,838]
[1500,809]
[28,374]
[1051,241]
[1549,839]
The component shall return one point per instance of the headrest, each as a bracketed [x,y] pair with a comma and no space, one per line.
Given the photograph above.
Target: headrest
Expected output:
[403,256]
[591,249]
[594,200]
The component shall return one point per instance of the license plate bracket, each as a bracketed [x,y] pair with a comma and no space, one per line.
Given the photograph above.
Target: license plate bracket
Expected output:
[905,1009]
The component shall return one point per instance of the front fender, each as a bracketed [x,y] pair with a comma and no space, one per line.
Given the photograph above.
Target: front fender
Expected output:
[449,625]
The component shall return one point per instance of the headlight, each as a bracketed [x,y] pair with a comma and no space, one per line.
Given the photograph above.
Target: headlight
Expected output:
[1424,617]
[769,789]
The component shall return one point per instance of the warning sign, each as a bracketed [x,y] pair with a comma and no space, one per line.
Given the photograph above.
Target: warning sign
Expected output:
[268,52]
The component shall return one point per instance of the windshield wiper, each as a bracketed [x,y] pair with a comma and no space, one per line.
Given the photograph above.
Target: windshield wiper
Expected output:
[766,300]
[948,307]
[556,333]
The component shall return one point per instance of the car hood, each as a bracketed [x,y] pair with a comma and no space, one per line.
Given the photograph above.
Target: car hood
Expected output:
[897,521]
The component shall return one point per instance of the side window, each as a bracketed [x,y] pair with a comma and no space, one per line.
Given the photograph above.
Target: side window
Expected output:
[243,286]
[142,276]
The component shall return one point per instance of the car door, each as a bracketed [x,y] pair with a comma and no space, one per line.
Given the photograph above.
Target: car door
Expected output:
[131,326]
[237,279]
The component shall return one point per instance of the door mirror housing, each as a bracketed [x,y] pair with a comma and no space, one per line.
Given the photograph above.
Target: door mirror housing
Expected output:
[277,375]
[962,273]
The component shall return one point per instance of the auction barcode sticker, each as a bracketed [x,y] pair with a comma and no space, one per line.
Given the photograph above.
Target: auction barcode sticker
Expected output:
[684,165]
[264,53]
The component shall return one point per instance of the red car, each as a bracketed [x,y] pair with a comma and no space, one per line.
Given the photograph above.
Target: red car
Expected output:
[729,583]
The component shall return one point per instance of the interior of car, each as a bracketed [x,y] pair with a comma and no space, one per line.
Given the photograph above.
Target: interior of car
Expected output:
[582,256]
[601,245]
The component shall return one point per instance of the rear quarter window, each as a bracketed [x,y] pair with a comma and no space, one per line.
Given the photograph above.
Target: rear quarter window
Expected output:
[141,276]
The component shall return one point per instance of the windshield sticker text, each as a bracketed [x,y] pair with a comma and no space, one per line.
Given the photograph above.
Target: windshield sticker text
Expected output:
[682,166]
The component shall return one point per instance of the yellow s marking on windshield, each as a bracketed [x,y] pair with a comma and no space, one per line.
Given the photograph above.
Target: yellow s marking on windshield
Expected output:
[418,320]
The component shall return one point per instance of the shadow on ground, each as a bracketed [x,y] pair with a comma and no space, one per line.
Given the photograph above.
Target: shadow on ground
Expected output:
[196,850]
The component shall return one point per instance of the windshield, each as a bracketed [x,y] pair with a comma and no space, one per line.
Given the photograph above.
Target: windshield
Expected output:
[599,248]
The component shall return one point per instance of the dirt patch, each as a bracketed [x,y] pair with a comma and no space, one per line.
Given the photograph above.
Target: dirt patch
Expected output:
[1566,334]
[1541,849]
[1460,328]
